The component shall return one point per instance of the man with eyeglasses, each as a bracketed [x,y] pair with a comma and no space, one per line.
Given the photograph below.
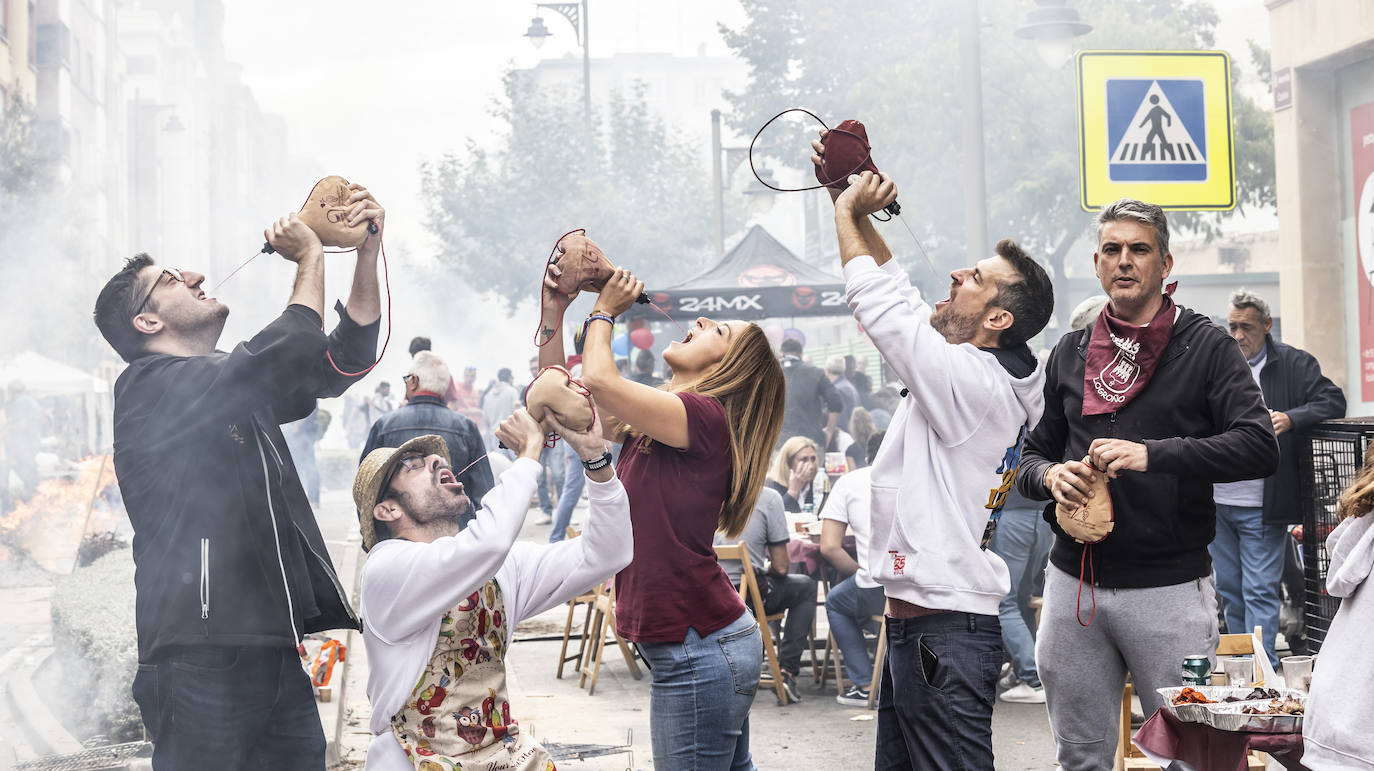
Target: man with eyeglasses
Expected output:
[231,567]
[442,598]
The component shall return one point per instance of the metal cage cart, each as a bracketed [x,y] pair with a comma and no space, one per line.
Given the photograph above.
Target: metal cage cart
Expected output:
[1328,461]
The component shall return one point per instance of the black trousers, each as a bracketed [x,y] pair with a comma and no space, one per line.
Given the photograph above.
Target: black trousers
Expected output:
[230,708]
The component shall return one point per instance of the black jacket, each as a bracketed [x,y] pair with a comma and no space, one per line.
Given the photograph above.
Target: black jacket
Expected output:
[226,547]
[1201,420]
[426,414]
[810,396]
[1293,383]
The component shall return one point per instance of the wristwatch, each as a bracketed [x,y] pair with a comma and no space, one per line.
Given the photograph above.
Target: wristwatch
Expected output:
[596,464]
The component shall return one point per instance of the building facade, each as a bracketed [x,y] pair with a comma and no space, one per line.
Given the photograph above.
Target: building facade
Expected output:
[1323,74]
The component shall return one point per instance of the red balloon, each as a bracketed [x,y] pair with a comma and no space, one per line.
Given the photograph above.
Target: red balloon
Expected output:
[642,338]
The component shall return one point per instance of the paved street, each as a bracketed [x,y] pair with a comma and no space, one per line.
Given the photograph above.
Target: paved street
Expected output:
[815,734]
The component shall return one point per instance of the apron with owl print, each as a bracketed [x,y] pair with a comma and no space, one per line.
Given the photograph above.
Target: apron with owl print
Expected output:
[458,715]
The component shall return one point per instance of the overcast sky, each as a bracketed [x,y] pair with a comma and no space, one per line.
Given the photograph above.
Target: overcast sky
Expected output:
[369,90]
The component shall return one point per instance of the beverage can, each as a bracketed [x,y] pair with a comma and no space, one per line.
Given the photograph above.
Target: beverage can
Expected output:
[1197,670]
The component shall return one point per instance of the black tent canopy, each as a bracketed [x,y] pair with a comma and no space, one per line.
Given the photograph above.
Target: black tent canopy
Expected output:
[757,279]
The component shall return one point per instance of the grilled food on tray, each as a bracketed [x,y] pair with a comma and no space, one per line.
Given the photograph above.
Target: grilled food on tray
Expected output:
[1276,707]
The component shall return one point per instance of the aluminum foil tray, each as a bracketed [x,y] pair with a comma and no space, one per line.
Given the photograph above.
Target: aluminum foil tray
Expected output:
[1228,717]
[1197,713]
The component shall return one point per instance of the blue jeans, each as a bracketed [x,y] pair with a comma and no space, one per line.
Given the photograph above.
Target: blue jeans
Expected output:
[939,686]
[231,708]
[700,697]
[1247,555]
[574,479]
[1023,541]
[848,608]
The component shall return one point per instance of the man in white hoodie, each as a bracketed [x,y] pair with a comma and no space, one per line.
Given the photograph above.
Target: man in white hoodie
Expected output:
[973,389]
[440,600]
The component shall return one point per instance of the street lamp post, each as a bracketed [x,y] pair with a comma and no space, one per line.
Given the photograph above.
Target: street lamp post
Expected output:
[724,161]
[971,99]
[1052,25]
[576,14]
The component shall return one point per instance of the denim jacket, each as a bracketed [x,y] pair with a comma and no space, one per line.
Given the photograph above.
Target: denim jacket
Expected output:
[427,414]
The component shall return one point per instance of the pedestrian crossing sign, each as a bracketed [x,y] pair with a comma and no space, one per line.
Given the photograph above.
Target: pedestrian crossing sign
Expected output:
[1155,126]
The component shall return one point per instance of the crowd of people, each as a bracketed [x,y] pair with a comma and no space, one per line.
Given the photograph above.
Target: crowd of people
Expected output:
[947,510]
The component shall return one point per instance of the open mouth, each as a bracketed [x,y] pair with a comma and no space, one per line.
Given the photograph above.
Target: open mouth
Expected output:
[448,480]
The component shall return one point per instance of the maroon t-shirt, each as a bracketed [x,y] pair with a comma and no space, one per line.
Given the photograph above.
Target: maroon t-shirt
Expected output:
[675,497]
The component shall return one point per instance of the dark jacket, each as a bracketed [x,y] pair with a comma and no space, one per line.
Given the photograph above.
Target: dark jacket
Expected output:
[226,547]
[810,395]
[427,414]
[1293,383]
[1201,420]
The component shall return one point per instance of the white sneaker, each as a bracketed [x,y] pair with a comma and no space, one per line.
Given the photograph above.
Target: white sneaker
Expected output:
[1024,694]
[544,520]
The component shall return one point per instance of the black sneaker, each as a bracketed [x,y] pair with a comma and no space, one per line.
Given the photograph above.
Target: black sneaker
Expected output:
[854,697]
[789,686]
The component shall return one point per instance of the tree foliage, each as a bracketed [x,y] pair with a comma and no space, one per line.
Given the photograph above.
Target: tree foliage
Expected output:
[638,188]
[895,66]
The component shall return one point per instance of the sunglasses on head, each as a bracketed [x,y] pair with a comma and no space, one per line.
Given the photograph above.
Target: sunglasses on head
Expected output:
[175,276]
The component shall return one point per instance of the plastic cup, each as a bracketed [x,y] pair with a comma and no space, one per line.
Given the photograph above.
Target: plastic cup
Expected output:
[1238,670]
[1297,672]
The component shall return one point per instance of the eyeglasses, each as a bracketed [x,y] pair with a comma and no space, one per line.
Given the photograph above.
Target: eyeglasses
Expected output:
[411,461]
[408,376]
[173,273]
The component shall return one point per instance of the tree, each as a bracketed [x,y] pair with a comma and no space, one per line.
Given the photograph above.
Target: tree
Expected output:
[40,239]
[895,67]
[637,187]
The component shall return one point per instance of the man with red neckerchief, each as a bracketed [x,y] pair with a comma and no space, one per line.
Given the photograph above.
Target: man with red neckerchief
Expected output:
[1162,401]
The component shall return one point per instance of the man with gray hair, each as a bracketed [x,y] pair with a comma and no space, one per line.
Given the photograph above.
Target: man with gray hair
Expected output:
[849,395]
[426,413]
[1156,399]
[1253,515]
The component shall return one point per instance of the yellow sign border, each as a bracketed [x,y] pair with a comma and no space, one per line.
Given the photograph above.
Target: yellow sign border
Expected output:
[1173,196]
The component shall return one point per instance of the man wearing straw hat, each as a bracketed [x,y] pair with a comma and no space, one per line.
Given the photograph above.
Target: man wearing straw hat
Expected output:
[440,599]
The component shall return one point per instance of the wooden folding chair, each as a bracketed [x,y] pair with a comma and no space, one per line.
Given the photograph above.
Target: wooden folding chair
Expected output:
[753,599]
[587,601]
[1128,756]
[603,624]
[878,657]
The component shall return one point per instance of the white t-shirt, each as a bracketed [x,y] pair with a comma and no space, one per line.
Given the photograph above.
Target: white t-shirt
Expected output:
[407,586]
[849,502]
[1248,492]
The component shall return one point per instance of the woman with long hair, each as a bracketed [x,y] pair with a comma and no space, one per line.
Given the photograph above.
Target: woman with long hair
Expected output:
[1340,705]
[794,471]
[860,427]
[694,457]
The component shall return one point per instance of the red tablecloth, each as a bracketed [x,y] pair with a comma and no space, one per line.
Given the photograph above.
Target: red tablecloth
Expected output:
[801,551]
[1204,747]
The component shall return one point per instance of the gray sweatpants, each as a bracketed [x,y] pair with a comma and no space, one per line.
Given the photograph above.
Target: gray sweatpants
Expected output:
[1147,632]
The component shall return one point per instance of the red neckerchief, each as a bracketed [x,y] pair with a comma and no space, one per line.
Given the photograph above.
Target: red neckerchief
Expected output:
[1122,357]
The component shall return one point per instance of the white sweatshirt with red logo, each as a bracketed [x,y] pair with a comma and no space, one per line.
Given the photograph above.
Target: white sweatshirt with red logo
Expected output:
[951,450]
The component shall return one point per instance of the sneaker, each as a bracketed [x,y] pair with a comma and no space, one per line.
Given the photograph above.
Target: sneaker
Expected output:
[1008,680]
[789,686]
[547,519]
[854,697]
[1024,694]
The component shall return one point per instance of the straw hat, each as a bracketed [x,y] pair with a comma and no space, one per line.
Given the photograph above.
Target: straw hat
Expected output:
[367,483]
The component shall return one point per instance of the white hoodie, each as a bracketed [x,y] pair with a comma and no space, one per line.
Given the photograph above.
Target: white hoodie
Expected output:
[1340,707]
[951,451]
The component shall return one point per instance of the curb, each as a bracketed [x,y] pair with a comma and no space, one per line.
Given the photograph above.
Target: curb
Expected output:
[43,732]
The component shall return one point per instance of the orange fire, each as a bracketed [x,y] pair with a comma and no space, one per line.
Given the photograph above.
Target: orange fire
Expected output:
[51,524]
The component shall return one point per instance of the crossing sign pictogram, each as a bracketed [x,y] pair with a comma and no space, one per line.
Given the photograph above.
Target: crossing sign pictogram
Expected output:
[1155,125]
